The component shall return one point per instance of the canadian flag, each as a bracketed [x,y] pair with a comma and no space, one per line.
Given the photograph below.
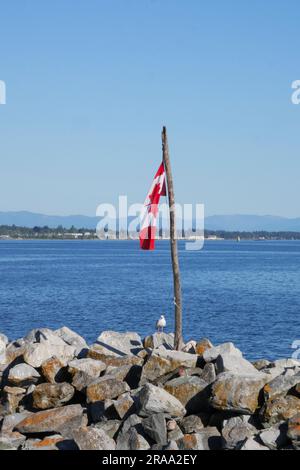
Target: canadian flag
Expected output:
[150,210]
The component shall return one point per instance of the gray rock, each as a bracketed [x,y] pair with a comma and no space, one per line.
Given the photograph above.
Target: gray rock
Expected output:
[211,354]
[190,391]
[190,347]
[157,340]
[237,393]
[191,424]
[294,431]
[13,439]
[261,364]
[112,343]
[110,427]
[153,399]
[85,372]
[105,388]
[236,430]
[133,439]
[61,420]
[23,374]
[53,370]
[124,405]
[48,443]
[132,421]
[72,339]
[37,353]
[172,445]
[209,373]
[175,434]
[207,439]
[40,335]
[5,444]
[280,386]
[279,409]
[91,366]
[12,397]
[162,361]
[235,365]
[275,437]
[93,438]
[155,427]
[252,444]
[12,420]
[47,396]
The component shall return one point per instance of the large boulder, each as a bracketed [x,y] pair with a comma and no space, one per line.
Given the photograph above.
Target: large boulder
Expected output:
[134,439]
[53,370]
[52,395]
[93,438]
[111,343]
[92,367]
[236,430]
[211,354]
[294,431]
[105,388]
[252,444]
[202,346]
[54,442]
[161,362]
[85,371]
[157,340]
[43,335]
[235,364]
[191,424]
[280,386]
[12,397]
[207,439]
[23,374]
[10,421]
[236,393]
[154,399]
[280,409]
[114,361]
[35,354]
[110,427]
[275,437]
[189,390]
[155,427]
[124,405]
[73,339]
[62,420]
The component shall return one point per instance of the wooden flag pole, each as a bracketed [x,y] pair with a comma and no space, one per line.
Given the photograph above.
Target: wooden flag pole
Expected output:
[173,239]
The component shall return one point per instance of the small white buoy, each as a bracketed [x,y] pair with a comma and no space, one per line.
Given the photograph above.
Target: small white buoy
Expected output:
[161,324]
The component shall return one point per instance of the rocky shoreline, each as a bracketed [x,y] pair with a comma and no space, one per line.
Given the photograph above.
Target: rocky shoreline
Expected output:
[125,393]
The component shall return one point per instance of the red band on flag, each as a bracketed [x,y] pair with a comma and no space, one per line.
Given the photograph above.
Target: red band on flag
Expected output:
[149,214]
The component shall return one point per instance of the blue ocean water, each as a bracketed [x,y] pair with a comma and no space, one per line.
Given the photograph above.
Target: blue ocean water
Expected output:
[247,292]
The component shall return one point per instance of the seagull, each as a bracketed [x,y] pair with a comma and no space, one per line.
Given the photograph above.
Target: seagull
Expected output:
[161,324]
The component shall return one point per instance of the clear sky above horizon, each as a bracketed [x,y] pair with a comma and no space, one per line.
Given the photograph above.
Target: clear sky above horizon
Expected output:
[90,84]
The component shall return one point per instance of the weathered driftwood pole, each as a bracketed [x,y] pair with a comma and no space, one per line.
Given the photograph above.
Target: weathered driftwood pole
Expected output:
[173,240]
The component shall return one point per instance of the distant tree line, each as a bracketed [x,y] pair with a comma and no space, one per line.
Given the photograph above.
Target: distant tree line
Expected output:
[13,231]
[60,232]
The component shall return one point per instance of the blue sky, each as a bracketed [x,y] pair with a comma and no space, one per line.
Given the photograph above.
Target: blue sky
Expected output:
[90,84]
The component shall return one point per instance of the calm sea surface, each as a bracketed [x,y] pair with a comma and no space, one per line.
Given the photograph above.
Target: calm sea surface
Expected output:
[247,292]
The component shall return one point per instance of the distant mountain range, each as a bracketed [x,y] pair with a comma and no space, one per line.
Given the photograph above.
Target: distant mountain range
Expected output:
[248,223]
